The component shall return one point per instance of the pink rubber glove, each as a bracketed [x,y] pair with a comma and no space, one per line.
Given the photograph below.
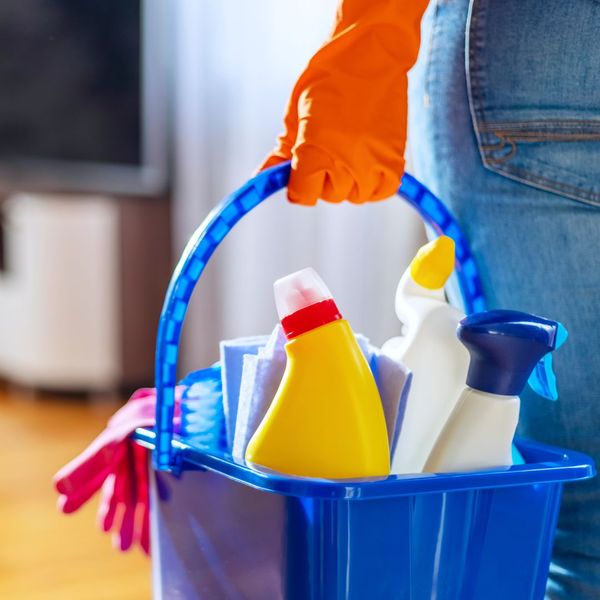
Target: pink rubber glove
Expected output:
[119,466]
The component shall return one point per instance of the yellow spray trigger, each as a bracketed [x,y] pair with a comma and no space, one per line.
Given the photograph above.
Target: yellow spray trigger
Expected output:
[433,263]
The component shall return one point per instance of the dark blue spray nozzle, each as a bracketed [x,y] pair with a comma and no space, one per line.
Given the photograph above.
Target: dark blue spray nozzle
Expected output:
[505,346]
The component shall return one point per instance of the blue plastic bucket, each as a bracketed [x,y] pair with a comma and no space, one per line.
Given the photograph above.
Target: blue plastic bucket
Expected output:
[221,530]
[226,532]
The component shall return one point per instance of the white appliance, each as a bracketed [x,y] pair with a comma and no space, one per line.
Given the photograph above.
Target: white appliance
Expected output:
[59,292]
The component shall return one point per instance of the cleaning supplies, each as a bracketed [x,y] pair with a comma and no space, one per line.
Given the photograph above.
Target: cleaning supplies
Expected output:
[430,349]
[262,373]
[504,346]
[232,359]
[117,467]
[326,419]
[393,381]
[202,418]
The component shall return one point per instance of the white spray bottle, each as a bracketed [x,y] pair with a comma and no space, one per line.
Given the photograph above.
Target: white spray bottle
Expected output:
[430,349]
[505,347]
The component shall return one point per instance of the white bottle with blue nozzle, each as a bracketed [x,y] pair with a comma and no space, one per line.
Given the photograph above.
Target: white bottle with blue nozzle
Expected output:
[430,349]
[505,347]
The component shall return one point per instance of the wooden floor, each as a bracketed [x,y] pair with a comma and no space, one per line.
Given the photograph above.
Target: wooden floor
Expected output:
[43,554]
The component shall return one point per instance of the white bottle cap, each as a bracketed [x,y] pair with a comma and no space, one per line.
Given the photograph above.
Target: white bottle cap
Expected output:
[299,290]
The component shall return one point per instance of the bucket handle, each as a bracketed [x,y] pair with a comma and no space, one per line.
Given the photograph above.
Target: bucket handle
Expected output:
[210,234]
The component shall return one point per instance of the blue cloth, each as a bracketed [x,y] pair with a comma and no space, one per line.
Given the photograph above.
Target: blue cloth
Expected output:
[232,359]
[504,127]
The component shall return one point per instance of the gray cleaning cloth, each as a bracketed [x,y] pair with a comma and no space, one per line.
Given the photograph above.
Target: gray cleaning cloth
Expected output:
[393,382]
[261,376]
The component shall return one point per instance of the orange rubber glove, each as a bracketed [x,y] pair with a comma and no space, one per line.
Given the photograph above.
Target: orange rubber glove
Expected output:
[345,126]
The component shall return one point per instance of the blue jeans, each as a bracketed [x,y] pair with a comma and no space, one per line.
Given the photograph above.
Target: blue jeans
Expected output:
[504,126]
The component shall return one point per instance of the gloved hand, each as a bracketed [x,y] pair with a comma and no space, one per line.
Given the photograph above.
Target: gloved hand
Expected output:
[345,126]
[119,466]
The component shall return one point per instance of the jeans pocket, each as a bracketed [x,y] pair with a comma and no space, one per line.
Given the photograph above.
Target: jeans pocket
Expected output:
[533,92]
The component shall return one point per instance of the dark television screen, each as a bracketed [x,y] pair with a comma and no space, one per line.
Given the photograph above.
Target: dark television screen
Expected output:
[70,81]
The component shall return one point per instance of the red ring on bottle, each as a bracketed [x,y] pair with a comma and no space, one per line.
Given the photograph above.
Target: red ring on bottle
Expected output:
[310,317]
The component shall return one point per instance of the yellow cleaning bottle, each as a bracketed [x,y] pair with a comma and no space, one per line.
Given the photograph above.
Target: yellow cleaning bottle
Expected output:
[326,419]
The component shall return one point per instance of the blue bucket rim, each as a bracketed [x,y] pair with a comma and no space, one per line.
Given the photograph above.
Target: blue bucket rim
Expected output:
[548,464]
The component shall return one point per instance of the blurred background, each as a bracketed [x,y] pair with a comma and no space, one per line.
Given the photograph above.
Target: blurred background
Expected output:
[122,123]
